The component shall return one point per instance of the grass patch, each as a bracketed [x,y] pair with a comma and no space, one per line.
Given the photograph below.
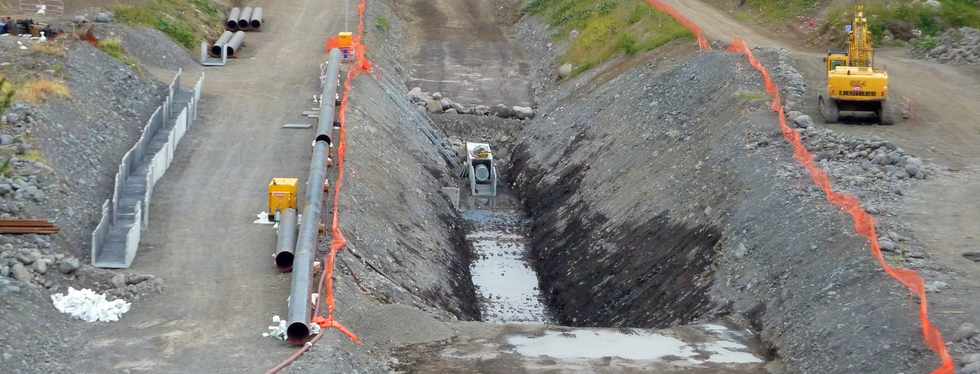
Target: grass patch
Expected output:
[751,96]
[382,24]
[607,28]
[185,21]
[35,155]
[49,48]
[6,93]
[114,48]
[7,168]
[899,17]
[38,91]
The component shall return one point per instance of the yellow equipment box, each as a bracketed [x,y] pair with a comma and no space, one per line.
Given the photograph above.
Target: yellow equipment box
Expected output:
[282,194]
[345,40]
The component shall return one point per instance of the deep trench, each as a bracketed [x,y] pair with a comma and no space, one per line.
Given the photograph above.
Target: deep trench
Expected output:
[658,278]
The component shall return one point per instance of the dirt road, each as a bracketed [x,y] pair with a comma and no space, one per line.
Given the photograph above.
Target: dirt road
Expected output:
[221,286]
[460,48]
[942,211]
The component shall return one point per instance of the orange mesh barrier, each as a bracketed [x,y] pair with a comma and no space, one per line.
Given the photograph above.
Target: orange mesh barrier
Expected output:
[864,223]
[688,24]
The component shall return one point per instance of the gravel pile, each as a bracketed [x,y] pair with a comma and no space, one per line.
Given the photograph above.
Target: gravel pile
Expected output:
[64,153]
[59,160]
[956,46]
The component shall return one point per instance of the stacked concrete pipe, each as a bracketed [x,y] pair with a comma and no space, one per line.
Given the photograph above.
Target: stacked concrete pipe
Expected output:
[235,43]
[256,21]
[233,16]
[245,17]
[221,42]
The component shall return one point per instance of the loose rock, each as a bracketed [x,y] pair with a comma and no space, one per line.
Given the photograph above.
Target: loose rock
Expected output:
[966,331]
[69,265]
[21,273]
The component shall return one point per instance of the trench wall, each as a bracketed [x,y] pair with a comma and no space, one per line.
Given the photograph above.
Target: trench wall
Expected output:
[667,195]
[405,238]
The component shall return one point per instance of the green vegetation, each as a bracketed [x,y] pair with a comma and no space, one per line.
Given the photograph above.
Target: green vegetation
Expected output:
[185,21]
[382,24]
[899,17]
[607,28]
[6,93]
[114,48]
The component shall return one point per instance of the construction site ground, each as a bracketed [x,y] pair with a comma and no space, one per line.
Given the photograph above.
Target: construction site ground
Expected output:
[399,285]
[943,128]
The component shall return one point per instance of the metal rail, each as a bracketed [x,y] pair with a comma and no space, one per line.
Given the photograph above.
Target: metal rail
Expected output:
[300,308]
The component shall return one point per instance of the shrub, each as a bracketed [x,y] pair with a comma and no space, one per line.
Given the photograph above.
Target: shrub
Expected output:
[37,91]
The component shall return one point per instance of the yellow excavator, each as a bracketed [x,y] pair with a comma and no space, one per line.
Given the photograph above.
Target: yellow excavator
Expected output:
[853,82]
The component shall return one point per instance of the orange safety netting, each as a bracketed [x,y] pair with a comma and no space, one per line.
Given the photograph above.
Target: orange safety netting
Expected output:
[688,24]
[864,223]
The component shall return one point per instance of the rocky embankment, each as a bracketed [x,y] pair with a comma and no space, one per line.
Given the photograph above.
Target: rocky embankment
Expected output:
[667,195]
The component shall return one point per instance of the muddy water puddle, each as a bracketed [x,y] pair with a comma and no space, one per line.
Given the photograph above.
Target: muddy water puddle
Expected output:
[506,284]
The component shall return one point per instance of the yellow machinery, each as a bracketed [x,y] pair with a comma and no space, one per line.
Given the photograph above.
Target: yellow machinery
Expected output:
[345,41]
[853,83]
[282,195]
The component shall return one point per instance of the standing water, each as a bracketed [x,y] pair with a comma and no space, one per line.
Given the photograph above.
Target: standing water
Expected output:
[506,284]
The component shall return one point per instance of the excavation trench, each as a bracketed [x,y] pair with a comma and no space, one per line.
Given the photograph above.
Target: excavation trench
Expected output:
[520,281]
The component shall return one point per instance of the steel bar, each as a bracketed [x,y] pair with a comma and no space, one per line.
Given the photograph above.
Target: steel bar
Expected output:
[232,23]
[300,307]
[286,241]
[244,17]
[256,21]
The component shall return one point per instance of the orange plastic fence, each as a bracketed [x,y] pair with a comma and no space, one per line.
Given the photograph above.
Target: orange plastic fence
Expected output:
[864,223]
[688,24]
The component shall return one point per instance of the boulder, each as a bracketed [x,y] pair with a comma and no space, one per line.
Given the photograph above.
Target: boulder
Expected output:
[69,265]
[20,272]
[803,121]
[503,111]
[523,112]
[417,96]
[433,106]
[103,17]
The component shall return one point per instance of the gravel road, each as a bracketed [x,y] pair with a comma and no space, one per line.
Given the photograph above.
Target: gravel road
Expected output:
[222,287]
[461,49]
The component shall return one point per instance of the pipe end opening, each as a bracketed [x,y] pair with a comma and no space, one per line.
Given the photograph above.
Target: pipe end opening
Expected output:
[297,332]
[284,261]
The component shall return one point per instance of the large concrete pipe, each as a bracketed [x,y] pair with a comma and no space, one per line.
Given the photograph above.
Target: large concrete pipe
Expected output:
[300,309]
[235,43]
[244,17]
[232,23]
[286,240]
[220,43]
[256,21]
